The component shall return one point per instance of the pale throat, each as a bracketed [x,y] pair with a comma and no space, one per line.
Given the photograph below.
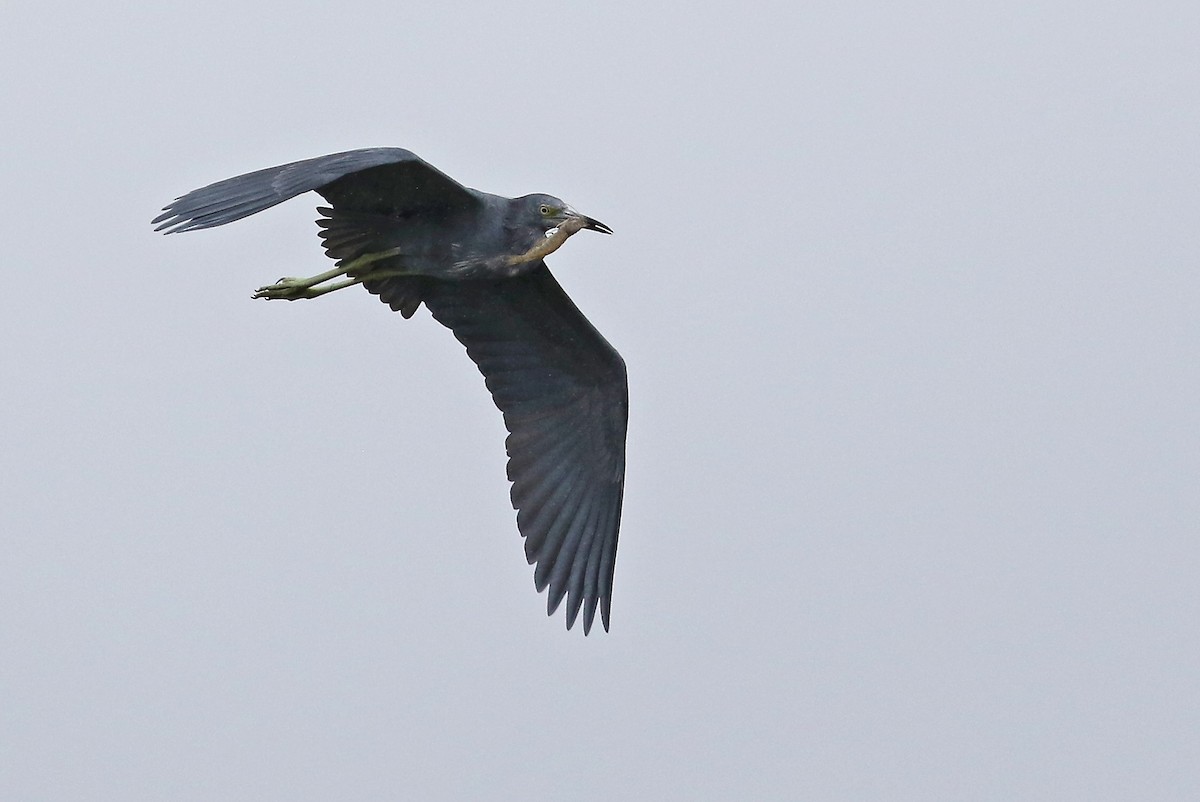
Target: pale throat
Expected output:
[550,242]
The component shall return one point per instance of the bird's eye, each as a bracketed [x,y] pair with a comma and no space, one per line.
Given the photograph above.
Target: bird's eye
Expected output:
[544,210]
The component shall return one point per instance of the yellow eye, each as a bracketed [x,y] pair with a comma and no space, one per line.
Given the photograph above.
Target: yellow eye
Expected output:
[544,211]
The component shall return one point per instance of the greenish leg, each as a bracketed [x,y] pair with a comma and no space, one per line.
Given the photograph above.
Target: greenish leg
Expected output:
[294,289]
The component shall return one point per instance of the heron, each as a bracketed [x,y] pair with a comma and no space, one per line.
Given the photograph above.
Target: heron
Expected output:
[412,235]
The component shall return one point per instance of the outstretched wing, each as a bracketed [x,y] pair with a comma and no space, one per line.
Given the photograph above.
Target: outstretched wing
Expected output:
[390,181]
[565,398]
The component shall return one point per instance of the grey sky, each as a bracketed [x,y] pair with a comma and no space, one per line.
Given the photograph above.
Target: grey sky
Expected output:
[908,293]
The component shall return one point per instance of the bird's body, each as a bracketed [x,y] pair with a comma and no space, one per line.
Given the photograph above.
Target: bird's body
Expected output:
[412,236]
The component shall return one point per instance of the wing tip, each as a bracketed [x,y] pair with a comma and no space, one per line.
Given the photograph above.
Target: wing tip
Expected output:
[577,603]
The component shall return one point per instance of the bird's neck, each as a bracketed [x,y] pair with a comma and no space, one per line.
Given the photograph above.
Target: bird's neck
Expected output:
[547,243]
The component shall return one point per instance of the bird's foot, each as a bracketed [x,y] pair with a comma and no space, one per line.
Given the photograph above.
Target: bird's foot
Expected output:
[288,289]
[293,289]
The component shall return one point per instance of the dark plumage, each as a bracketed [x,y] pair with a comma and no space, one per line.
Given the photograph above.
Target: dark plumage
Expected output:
[411,235]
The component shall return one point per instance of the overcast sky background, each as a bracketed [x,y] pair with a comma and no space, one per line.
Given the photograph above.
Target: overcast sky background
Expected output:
[909,298]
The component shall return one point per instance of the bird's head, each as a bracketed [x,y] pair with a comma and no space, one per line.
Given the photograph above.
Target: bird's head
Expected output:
[547,222]
[547,212]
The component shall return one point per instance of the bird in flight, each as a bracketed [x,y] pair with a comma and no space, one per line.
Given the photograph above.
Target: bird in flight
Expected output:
[412,235]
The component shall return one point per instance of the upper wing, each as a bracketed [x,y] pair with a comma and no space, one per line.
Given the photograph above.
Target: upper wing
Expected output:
[565,398]
[383,180]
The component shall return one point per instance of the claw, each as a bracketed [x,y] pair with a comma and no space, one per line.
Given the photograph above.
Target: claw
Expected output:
[286,289]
